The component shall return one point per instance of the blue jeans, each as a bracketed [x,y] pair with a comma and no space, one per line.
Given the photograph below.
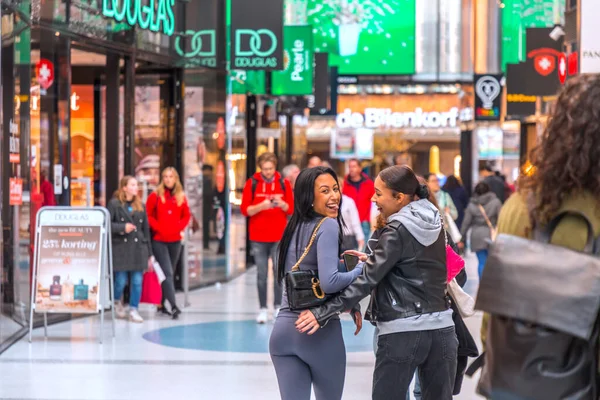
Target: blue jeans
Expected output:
[482,257]
[366,227]
[135,286]
[262,251]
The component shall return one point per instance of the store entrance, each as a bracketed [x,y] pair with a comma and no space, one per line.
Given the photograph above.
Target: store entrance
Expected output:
[93,128]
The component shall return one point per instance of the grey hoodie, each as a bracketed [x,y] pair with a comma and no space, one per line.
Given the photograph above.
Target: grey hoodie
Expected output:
[422,219]
[475,221]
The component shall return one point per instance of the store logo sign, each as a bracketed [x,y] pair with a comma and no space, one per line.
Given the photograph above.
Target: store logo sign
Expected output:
[487,100]
[375,118]
[255,48]
[155,16]
[201,44]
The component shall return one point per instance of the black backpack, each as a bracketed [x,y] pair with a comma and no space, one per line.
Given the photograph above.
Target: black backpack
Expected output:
[544,303]
[255,184]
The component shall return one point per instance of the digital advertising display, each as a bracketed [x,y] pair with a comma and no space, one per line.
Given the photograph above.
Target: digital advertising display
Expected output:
[365,36]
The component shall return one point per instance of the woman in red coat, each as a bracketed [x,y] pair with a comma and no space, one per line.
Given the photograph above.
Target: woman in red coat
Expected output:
[169,215]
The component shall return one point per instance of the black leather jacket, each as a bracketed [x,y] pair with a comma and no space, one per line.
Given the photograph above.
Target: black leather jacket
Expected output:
[404,278]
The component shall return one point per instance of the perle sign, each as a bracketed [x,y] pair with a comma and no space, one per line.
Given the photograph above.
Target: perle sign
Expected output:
[145,16]
[374,118]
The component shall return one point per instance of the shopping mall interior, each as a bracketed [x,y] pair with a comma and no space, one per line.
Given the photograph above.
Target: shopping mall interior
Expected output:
[96,90]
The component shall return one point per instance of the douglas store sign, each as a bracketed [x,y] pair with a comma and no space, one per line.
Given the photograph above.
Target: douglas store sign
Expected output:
[256,34]
[375,118]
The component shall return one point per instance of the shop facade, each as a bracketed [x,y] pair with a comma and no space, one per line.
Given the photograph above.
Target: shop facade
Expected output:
[421,123]
[93,90]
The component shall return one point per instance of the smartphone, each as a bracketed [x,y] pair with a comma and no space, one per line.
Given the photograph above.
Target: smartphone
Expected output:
[351,261]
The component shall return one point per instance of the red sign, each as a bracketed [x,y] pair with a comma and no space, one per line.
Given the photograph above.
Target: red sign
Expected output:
[544,60]
[572,64]
[16,191]
[562,68]
[220,175]
[44,71]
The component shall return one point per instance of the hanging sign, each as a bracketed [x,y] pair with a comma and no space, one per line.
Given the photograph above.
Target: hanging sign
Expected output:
[244,82]
[256,34]
[488,90]
[14,142]
[296,79]
[44,71]
[589,44]
[156,17]
[16,191]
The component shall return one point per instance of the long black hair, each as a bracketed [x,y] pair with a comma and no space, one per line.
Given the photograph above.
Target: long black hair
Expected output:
[304,197]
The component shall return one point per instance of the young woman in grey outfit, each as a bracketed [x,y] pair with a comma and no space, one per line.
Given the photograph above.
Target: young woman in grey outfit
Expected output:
[319,360]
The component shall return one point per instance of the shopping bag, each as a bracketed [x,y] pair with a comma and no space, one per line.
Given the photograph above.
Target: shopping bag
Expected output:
[452,229]
[159,272]
[151,289]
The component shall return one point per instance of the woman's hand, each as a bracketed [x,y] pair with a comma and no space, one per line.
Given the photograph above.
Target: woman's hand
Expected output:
[307,323]
[150,264]
[358,321]
[361,256]
[130,228]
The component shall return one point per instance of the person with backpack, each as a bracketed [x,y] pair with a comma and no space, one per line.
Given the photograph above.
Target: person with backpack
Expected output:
[541,336]
[481,218]
[267,201]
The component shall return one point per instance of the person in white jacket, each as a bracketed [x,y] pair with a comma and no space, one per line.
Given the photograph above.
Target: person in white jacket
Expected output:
[354,236]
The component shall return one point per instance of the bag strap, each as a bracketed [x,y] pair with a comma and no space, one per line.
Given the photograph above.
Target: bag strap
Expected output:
[487,220]
[296,267]
[544,234]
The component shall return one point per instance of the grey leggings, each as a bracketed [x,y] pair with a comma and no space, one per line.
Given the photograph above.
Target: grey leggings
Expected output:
[167,255]
[302,361]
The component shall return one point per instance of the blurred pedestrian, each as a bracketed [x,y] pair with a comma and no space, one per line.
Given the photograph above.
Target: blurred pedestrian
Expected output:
[291,172]
[359,187]
[444,200]
[267,201]
[169,215]
[354,236]
[403,158]
[481,218]
[314,161]
[495,182]
[131,246]
[459,196]
[47,190]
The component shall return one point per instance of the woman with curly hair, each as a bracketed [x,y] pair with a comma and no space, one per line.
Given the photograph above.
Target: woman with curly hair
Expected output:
[566,175]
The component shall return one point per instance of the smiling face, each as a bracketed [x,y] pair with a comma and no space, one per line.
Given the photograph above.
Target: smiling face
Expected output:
[327,196]
[386,202]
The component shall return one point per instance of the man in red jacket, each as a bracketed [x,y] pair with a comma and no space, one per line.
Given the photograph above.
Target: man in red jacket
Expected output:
[267,201]
[360,188]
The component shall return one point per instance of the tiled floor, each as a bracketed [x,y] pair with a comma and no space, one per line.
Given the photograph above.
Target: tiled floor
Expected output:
[214,351]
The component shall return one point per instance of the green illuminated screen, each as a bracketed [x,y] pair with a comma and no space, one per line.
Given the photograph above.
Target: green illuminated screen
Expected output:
[517,16]
[365,36]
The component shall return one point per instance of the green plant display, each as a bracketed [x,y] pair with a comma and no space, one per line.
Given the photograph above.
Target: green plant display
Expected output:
[365,36]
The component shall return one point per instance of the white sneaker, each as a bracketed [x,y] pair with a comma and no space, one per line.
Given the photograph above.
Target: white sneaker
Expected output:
[120,310]
[263,316]
[134,316]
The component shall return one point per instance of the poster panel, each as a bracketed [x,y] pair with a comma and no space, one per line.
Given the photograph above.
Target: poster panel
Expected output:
[69,261]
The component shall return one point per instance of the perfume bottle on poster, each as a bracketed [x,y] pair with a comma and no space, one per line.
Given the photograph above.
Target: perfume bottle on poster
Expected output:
[81,291]
[67,290]
[55,288]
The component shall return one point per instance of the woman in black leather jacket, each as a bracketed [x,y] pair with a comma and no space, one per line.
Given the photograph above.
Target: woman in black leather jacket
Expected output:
[406,277]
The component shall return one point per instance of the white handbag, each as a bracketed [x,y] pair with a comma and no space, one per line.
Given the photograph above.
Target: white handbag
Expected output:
[452,228]
[464,302]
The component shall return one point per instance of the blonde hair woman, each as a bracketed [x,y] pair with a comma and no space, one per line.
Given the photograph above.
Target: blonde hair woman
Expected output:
[132,252]
[169,215]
